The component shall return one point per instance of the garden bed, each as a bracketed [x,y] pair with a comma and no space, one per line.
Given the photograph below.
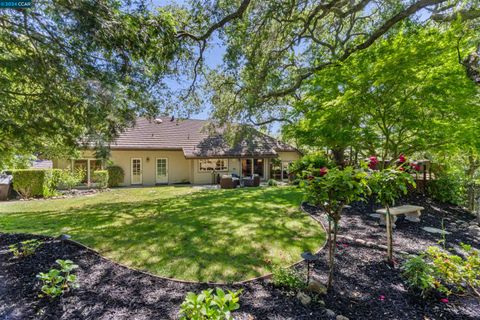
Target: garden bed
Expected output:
[365,287]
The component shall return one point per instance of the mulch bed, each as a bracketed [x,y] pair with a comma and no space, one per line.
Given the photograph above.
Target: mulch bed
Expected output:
[111,291]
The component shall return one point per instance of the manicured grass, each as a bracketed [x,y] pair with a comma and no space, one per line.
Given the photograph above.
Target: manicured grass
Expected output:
[179,232]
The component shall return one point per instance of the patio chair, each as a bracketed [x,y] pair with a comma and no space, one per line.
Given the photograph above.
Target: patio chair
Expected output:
[227,182]
[256,180]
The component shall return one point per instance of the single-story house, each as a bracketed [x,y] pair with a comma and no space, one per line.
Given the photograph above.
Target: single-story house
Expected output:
[168,151]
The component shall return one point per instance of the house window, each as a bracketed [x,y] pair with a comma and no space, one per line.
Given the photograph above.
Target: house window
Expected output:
[208,165]
[87,167]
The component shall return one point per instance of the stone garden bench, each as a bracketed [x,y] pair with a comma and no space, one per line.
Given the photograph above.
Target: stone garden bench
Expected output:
[412,213]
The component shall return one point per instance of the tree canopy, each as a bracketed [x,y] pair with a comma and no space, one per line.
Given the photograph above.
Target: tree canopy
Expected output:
[75,71]
[404,94]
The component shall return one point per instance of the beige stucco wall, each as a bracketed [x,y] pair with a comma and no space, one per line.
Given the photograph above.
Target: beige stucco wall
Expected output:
[180,169]
[289,156]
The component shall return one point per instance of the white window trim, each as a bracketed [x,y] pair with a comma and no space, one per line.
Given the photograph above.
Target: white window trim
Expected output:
[166,169]
[141,171]
[213,159]
[88,166]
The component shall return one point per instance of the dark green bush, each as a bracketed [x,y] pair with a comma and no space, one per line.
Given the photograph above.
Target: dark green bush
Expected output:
[448,187]
[100,178]
[115,176]
[33,182]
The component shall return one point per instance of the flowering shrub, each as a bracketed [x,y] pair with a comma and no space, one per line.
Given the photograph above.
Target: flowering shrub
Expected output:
[332,190]
[388,185]
[436,270]
[372,162]
[307,165]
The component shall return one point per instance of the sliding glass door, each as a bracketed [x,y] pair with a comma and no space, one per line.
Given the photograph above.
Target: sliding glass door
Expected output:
[253,166]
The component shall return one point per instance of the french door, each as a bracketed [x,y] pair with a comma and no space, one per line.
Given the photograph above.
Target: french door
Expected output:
[161,170]
[136,171]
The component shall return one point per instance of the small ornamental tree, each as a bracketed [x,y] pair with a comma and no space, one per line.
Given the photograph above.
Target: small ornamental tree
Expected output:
[332,190]
[388,185]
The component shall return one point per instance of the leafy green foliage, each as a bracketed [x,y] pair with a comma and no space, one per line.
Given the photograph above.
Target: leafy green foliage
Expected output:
[32,182]
[335,189]
[310,164]
[25,248]
[100,178]
[65,179]
[115,176]
[448,187]
[389,184]
[395,97]
[287,278]
[436,270]
[57,281]
[210,306]
[83,69]
[332,190]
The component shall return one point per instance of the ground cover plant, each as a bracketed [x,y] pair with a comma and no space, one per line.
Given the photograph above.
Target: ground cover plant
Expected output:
[24,248]
[57,281]
[181,232]
[438,271]
[210,305]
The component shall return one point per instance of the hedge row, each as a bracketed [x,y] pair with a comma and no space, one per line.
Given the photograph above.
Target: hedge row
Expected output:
[33,182]
[44,182]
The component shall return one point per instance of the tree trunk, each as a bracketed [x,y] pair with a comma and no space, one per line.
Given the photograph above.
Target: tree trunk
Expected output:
[339,156]
[331,253]
[389,236]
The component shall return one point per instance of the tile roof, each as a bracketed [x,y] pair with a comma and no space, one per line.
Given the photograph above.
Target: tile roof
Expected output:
[195,140]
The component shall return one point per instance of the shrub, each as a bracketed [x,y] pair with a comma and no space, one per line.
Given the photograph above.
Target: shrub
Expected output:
[287,278]
[32,182]
[24,248]
[436,270]
[332,190]
[308,163]
[100,178]
[64,179]
[272,183]
[115,176]
[208,305]
[448,187]
[57,281]
[388,185]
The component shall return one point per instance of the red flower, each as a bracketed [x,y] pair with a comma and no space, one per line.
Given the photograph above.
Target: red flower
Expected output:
[401,169]
[402,159]
[381,298]
[372,162]
[444,300]
[323,171]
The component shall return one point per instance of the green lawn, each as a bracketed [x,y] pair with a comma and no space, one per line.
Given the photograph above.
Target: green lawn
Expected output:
[180,232]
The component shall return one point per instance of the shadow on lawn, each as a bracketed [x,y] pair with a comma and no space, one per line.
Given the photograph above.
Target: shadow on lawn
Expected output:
[211,235]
